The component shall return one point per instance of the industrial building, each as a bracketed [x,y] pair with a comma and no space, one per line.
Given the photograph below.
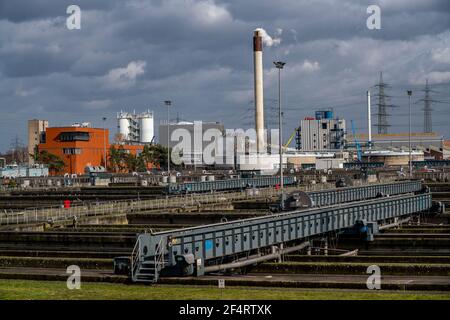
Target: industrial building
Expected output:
[419,140]
[392,158]
[270,164]
[196,131]
[136,128]
[323,132]
[36,135]
[77,146]
[80,146]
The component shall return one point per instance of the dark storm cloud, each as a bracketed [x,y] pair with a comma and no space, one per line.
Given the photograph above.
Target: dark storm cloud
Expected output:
[25,10]
[135,54]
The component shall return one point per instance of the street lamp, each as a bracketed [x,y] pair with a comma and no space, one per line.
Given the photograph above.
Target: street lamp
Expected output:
[104,143]
[279,65]
[409,92]
[168,103]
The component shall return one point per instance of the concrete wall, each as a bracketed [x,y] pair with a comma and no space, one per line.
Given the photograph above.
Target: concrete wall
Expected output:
[319,134]
[324,164]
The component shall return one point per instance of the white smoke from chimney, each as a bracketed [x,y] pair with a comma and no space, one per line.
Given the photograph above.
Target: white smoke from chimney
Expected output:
[268,40]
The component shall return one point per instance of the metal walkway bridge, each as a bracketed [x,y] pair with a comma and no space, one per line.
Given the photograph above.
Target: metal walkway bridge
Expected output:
[207,248]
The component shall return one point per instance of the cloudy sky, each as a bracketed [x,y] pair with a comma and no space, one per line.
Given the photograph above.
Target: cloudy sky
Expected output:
[198,53]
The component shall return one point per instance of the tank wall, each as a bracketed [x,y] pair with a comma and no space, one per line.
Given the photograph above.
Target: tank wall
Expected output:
[147,130]
[123,128]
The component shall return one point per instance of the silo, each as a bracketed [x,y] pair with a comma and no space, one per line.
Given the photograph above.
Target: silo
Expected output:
[124,125]
[146,127]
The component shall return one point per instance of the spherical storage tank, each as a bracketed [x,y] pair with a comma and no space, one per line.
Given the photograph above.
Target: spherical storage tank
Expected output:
[146,127]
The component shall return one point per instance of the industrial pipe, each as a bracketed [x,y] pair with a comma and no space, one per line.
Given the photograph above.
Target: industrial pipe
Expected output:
[239,264]
[394,224]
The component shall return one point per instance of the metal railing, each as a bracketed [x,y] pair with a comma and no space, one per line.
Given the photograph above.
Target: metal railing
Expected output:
[159,258]
[54,214]
[134,261]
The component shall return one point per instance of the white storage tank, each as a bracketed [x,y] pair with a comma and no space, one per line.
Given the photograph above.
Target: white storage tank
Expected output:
[146,127]
[124,125]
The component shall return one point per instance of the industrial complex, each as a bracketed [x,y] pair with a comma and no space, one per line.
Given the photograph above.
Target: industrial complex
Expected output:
[192,203]
[322,141]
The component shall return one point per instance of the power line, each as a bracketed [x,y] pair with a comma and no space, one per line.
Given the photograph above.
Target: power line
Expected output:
[427,121]
[382,114]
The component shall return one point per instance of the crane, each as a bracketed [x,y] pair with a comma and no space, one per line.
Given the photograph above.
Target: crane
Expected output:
[290,138]
[358,146]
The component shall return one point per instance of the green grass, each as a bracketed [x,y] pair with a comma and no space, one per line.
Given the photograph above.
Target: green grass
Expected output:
[56,290]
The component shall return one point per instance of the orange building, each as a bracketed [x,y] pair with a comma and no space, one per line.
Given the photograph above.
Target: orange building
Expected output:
[80,147]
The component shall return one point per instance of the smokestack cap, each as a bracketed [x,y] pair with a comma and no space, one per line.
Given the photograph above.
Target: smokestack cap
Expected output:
[257,40]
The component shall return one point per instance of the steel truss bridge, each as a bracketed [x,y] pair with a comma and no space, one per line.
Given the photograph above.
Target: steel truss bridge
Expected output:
[214,247]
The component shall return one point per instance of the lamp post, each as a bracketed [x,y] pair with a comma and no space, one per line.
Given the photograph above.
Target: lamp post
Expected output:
[279,65]
[409,92]
[168,103]
[104,143]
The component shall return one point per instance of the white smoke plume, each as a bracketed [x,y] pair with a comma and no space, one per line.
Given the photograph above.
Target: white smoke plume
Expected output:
[268,40]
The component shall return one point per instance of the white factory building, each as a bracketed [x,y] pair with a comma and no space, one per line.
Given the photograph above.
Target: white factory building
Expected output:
[323,132]
[136,128]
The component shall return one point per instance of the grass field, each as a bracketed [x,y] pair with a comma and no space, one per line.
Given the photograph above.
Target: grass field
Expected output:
[53,290]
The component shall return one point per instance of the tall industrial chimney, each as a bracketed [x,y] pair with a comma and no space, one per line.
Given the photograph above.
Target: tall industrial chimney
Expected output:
[259,94]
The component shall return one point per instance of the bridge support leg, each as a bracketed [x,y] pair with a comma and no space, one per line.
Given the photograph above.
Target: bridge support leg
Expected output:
[280,257]
[199,267]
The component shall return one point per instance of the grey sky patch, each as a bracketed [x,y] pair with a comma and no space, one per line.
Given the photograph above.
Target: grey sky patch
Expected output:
[199,54]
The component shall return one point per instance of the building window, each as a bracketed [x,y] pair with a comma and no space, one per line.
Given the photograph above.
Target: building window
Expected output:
[324,125]
[71,150]
[74,136]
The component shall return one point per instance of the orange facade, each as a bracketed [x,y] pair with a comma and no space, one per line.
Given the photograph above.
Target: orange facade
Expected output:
[79,147]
